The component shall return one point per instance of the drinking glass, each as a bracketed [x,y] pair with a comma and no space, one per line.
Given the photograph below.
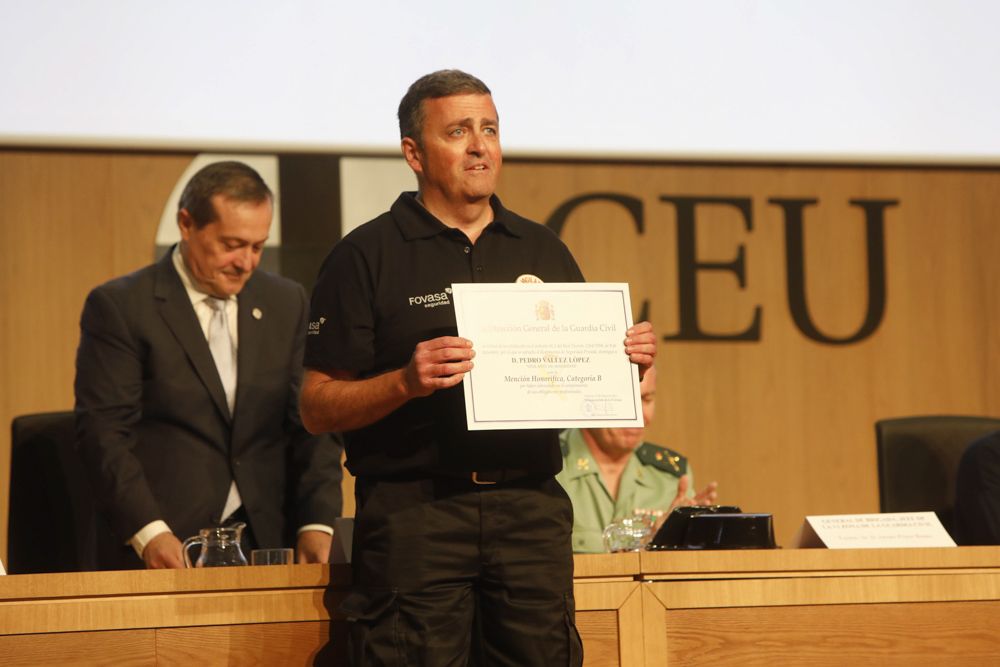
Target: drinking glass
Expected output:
[272,557]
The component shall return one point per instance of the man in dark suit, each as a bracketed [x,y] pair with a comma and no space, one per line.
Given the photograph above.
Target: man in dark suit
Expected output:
[977,493]
[187,384]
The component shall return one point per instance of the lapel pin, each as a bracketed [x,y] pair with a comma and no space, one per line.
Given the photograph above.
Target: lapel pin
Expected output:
[257,313]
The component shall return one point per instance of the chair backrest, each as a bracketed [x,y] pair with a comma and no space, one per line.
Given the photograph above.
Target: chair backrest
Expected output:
[918,460]
[51,516]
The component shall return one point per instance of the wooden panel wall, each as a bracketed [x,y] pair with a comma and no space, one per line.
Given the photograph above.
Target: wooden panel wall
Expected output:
[784,423]
[68,221]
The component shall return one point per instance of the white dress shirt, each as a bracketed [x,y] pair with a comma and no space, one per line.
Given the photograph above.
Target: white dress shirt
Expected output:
[204,313]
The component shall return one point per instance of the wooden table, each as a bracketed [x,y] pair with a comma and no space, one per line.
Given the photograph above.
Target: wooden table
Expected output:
[780,607]
[266,615]
[820,607]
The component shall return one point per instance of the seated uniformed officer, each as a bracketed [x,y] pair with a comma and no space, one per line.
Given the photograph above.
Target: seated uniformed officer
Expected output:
[610,473]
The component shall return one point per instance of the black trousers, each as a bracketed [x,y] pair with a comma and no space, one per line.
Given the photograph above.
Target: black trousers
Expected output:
[447,572]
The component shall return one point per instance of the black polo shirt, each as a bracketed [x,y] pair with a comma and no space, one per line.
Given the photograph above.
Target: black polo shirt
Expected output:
[384,288]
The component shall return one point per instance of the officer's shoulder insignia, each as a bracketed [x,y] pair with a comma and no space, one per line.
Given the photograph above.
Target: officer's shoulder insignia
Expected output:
[564,444]
[662,458]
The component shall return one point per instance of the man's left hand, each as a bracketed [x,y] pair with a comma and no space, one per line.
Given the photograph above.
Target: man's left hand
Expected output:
[706,497]
[313,547]
[640,346]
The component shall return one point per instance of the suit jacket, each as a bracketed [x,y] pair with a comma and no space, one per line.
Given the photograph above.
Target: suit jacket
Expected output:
[153,427]
[977,493]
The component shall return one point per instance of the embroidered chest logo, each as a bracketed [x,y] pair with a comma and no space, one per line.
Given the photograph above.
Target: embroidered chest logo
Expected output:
[432,300]
[314,327]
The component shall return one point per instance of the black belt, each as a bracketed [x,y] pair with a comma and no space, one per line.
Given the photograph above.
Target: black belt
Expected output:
[477,477]
[486,477]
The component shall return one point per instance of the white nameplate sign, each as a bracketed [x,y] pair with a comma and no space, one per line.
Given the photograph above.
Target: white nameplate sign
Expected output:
[875,531]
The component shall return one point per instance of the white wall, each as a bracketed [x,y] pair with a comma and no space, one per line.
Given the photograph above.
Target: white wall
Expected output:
[837,79]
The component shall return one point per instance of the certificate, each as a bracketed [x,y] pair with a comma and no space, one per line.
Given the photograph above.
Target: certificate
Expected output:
[548,355]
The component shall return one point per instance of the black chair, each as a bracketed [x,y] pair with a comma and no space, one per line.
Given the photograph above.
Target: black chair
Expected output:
[918,460]
[51,515]
[977,493]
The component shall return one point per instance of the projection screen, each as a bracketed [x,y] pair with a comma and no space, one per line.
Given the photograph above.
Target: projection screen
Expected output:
[891,79]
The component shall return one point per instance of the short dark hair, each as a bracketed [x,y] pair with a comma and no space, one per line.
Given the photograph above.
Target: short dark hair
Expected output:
[442,83]
[231,179]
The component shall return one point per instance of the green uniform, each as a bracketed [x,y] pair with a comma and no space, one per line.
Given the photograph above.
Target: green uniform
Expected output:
[649,483]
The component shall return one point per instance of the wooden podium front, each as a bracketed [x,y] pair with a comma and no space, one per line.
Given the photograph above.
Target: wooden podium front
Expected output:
[265,615]
[822,607]
[802,607]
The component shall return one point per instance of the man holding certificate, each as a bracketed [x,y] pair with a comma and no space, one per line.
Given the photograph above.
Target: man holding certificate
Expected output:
[462,537]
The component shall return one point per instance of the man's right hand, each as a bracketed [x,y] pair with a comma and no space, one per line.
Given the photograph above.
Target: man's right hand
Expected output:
[337,400]
[163,552]
[438,363]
